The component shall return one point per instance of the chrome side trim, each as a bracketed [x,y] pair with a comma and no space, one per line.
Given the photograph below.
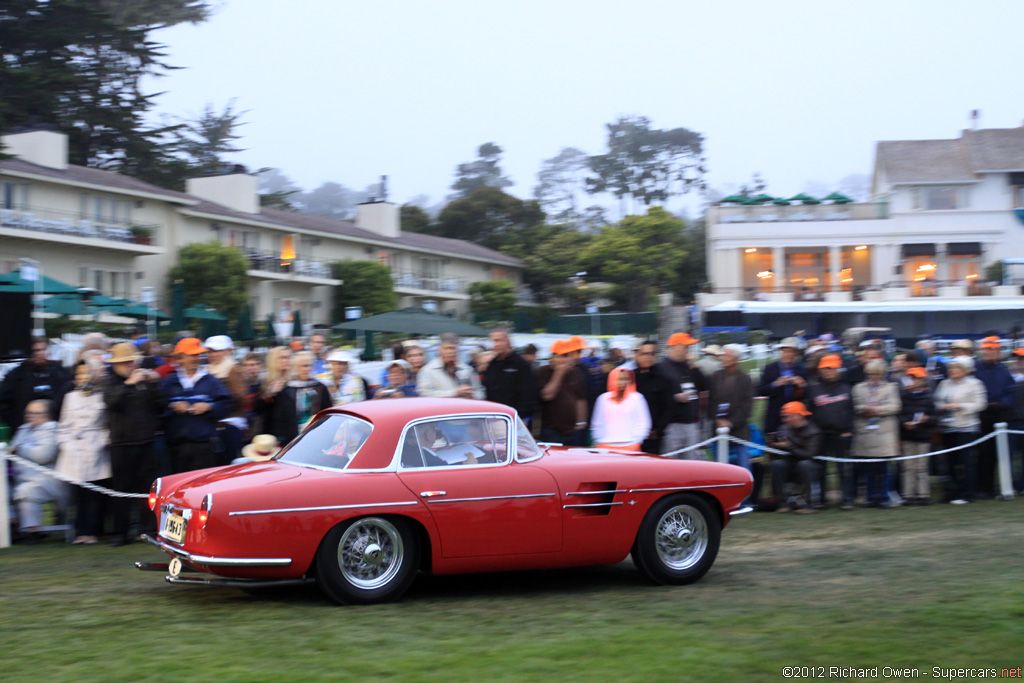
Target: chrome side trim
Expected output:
[590,505]
[218,561]
[687,488]
[594,493]
[323,507]
[234,583]
[471,500]
[741,511]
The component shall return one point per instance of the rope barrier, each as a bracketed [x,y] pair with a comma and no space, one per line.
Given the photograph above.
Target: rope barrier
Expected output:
[894,458]
[57,475]
[694,447]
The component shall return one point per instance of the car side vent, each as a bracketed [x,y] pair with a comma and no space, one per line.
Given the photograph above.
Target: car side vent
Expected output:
[592,499]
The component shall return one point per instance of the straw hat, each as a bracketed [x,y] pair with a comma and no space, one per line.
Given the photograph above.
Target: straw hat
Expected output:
[263,447]
[125,352]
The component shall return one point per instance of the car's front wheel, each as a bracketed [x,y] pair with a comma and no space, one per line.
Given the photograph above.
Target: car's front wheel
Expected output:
[367,560]
[678,540]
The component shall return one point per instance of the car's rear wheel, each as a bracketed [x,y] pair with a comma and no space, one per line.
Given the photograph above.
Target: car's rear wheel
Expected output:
[678,540]
[367,560]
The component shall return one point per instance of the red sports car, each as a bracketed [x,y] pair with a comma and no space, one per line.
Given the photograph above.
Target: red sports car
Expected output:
[371,493]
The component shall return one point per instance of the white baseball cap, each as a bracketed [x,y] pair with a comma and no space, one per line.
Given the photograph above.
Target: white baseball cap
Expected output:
[219,342]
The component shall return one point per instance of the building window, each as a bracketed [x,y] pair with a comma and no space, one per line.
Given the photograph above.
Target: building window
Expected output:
[941,198]
[104,210]
[14,196]
[1018,196]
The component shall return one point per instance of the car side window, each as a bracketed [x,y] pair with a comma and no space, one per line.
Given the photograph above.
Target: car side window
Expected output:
[456,441]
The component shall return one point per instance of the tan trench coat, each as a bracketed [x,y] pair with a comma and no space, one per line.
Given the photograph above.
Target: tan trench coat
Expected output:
[884,441]
[83,437]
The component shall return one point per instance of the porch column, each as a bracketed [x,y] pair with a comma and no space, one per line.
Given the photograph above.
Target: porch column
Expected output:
[779,269]
[835,267]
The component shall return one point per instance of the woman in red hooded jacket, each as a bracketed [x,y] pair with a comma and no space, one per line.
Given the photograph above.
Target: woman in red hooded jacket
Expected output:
[621,418]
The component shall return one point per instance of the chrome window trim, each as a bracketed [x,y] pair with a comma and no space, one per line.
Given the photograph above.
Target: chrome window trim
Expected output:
[543,450]
[595,493]
[473,500]
[510,447]
[590,505]
[323,507]
[686,488]
[327,468]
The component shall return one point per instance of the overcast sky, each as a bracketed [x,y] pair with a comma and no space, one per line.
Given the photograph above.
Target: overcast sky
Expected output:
[799,91]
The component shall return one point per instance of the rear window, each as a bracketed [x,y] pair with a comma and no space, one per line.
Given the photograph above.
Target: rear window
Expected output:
[332,441]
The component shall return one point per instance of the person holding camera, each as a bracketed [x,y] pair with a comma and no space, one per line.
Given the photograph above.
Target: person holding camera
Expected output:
[134,404]
[398,381]
[783,381]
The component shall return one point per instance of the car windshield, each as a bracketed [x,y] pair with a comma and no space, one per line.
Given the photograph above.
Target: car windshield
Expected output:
[332,441]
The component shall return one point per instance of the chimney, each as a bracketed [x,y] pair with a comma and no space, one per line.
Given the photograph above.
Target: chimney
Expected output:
[235,190]
[43,147]
[975,119]
[379,217]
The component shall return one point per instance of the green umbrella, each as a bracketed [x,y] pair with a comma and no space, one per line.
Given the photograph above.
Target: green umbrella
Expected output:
[297,323]
[178,306]
[806,199]
[734,198]
[243,326]
[135,311]
[202,313]
[781,201]
[762,198]
[64,304]
[838,198]
[413,321]
[12,282]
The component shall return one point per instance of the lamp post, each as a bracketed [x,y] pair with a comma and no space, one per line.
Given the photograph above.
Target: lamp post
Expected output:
[32,271]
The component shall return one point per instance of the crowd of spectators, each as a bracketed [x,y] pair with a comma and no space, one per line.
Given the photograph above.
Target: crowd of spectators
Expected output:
[126,414]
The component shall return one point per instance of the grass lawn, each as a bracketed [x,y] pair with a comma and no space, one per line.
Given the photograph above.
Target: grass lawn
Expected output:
[941,586]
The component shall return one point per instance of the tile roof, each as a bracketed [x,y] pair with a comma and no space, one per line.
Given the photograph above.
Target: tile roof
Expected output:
[93,176]
[924,161]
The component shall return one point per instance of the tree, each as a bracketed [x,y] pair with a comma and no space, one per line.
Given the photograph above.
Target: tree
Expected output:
[755,186]
[856,186]
[330,199]
[493,297]
[365,283]
[638,253]
[205,140]
[72,65]
[213,275]
[485,171]
[645,164]
[559,183]
[276,189]
[488,216]
[414,219]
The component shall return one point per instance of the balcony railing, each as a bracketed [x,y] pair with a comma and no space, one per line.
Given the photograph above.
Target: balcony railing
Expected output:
[773,213]
[271,262]
[72,225]
[896,289]
[432,283]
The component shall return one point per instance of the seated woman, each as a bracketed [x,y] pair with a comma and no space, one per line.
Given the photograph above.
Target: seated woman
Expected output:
[621,418]
[36,440]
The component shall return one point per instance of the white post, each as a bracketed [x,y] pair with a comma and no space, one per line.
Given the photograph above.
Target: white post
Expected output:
[5,522]
[723,444]
[1003,453]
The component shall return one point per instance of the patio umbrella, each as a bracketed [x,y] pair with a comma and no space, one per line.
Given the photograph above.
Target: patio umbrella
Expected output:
[64,304]
[12,282]
[297,323]
[762,198]
[838,198]
[202,313]
[413,321]
[806,199]
[178,306]
[243,326]
[135,311]
[734,199]
[780,201]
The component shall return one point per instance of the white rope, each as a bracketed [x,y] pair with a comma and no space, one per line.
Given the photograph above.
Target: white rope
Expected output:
[894,458]
[57,475]
[694,447]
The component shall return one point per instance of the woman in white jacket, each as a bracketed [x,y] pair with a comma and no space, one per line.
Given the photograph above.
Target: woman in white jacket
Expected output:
[621,417]
[961,398]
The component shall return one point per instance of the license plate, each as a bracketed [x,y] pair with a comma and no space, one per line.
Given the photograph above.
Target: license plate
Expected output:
[174,528]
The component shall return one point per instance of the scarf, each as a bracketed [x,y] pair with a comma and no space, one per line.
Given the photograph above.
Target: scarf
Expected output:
[613,385]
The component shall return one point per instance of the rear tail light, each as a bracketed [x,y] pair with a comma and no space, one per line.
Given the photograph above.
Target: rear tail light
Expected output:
[154,491]
[204,510]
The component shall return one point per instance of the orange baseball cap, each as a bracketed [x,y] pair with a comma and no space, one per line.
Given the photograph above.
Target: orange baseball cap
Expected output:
[991,343]
[575,343]
[297,345]
[681,338]
[917,372]
[1019,351]
[558,348]
[831,361]
[795,408]
[189,346]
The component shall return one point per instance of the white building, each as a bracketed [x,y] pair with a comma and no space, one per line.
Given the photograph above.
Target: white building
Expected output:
[942,211]
[116,234]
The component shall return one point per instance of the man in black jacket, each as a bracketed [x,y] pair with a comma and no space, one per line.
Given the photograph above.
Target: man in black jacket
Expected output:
[656,390]
[135,405]
[831,405]
[801,438]
[35,379]
[508,378]
[782,381]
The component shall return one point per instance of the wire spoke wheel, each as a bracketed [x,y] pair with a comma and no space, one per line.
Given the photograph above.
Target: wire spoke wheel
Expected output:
[682,537]
[368,560]
[678,539]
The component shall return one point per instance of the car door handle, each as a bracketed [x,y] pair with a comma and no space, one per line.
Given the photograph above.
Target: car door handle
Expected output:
[432,494]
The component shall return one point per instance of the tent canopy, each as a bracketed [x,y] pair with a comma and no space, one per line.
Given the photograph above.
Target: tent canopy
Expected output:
[12,282]
[413,321]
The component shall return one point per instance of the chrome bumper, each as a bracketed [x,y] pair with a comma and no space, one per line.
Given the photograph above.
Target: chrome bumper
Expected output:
[236,583]
[741,511]
[217,561]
